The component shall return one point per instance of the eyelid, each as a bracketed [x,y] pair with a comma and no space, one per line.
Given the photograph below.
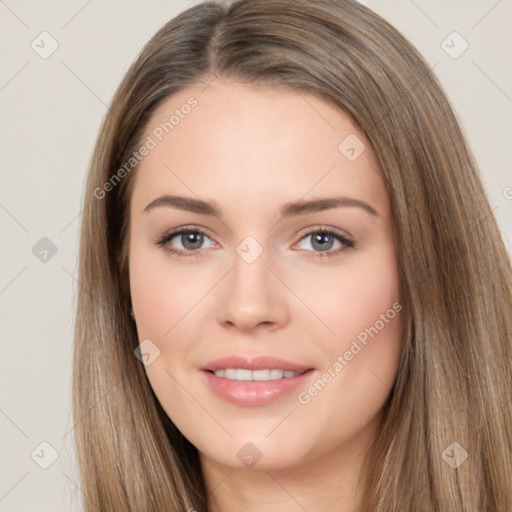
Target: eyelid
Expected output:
[170,234]
[301,234]
[179,230]
[323,228]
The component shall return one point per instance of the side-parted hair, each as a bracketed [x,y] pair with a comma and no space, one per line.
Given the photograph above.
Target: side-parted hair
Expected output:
[454,380]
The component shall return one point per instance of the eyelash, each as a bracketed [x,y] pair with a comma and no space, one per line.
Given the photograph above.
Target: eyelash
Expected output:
[347,244]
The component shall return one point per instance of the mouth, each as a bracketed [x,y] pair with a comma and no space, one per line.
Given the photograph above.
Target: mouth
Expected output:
[253,382]
[242,374]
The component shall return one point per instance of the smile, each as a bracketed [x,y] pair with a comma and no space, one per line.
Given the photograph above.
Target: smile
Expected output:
[258,375]
[255,388]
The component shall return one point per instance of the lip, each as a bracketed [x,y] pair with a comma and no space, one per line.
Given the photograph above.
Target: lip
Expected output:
[254,363]
[254,393]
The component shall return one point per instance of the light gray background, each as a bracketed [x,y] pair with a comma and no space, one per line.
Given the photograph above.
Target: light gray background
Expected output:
[51,111]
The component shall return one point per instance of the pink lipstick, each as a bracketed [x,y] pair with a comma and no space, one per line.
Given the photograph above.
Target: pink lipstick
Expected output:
[254,381]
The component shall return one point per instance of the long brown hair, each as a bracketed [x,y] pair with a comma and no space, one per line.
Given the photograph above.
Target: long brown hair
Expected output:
[453,383]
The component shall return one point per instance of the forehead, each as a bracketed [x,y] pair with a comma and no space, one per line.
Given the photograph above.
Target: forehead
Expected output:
[260,145]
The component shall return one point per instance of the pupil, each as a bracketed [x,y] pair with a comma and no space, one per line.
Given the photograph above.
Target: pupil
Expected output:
[323,240]
[193,238]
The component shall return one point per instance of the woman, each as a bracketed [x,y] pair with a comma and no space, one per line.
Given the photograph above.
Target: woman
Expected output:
[295,295]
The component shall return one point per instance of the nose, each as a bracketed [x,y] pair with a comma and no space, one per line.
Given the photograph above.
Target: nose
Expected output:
[252,297]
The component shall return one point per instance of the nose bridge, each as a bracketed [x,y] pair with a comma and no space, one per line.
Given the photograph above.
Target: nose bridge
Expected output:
[250,276]
[250,270]
[252,295]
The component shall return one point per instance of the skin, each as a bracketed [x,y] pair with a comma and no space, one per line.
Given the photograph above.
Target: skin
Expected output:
[252,149]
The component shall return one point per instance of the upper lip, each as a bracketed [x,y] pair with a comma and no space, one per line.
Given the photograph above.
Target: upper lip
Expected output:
[254,363]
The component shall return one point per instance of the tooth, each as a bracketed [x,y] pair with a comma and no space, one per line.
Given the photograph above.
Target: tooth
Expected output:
[243,374]
[276,374]
[230,373]
[260,374]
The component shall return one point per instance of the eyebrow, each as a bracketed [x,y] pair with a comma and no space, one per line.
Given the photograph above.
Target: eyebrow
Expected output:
[288,210]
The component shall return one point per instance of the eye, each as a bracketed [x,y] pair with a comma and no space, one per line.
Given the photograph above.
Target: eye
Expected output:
[322,240]
[189,240]
[186,241]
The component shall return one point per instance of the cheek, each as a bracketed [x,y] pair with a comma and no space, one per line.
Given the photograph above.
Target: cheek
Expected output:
[161,292]
[162,297]
[362,308]
[356,298]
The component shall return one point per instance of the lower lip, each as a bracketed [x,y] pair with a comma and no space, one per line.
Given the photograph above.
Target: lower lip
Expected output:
[254,393]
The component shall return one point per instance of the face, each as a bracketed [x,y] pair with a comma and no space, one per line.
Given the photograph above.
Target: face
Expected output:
[263,275]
